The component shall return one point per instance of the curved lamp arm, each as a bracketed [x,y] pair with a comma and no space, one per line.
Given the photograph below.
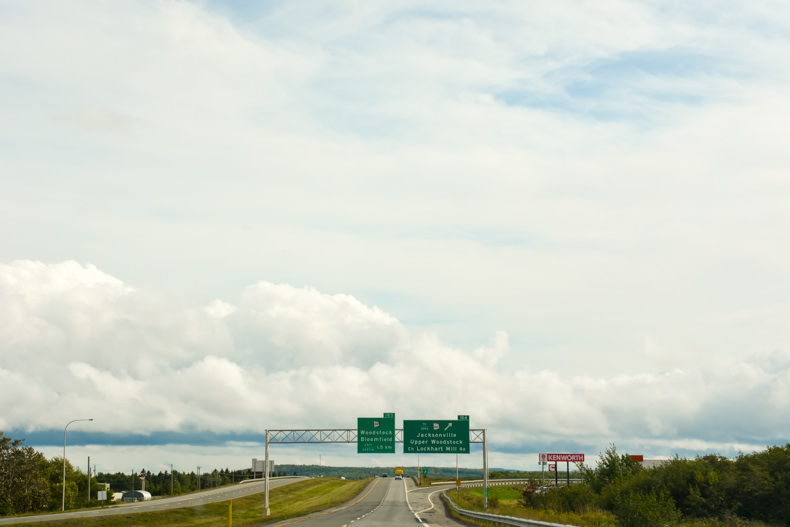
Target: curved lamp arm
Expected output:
[63,505]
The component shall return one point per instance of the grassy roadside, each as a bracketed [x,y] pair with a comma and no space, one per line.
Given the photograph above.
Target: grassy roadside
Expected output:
[507,501]
[288,501]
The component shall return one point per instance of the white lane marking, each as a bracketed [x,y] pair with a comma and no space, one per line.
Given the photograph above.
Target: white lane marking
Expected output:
[416,515]
[430,501]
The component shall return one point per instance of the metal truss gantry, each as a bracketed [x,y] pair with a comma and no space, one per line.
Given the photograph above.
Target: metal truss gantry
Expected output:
[349,435]
[343,435]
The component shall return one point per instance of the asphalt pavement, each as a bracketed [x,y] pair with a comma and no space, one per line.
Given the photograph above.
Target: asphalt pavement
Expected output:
[386,502]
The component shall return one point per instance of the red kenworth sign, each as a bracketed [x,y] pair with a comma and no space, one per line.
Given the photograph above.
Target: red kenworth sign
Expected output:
[572,458]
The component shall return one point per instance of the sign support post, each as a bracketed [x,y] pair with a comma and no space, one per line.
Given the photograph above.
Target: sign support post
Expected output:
[266,484]
[485,470]
[567,458]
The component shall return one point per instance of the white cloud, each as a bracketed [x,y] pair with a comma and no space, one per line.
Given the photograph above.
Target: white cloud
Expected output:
[556,199]
[284,327]
[325,383]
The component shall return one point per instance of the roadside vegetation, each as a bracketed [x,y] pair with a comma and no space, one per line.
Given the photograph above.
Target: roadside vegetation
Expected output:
[711,491]
[509,501]
[31,483]
[289,501]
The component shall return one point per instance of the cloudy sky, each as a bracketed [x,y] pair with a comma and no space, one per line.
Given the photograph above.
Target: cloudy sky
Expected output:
[566,219]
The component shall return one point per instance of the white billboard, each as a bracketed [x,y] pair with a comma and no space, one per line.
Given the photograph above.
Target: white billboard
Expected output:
[258,465]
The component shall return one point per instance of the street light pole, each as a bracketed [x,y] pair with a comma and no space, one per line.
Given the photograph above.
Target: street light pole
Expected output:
[64,459]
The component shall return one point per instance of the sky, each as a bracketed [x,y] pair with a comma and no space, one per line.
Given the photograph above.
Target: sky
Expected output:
[565,219]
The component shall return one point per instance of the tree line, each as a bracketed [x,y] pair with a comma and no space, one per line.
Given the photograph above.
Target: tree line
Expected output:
[29,482]
[165,483]
[750,488]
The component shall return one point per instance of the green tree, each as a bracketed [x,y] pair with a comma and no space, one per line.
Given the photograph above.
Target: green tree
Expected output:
[701,487]
[32,491]
[76,485]
[610,469]
[23,477]
[763,484]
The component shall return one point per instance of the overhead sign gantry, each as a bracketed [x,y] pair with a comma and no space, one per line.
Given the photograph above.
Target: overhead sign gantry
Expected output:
[378,435]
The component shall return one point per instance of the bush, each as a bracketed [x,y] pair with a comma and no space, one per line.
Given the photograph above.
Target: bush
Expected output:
[639,509]
[576,499]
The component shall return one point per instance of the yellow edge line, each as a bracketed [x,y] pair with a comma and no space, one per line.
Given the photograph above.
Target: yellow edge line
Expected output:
[375,482]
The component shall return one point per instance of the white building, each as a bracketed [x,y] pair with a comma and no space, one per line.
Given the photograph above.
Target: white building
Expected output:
[137,495]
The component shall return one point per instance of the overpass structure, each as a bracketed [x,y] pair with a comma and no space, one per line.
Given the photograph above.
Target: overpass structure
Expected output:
[349,435]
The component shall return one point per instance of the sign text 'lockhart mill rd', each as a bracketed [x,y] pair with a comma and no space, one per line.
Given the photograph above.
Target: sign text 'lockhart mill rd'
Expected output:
[436,437]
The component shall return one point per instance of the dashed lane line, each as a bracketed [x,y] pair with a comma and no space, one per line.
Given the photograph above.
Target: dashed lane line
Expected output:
[333,510]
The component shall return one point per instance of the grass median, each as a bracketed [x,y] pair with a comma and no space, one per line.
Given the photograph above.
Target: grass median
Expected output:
[289,501]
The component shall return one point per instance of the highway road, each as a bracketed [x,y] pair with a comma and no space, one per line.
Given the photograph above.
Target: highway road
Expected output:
[386,502]
[186,500]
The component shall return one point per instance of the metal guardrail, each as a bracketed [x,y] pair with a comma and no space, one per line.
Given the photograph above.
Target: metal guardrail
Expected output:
[496,519]
[263,480]
[479,482]
[495,482]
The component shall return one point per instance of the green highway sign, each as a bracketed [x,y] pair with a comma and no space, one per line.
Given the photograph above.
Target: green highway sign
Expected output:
[436,437]
[376,435]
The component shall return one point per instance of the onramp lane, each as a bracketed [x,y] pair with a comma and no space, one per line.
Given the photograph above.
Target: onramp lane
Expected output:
[427,505]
